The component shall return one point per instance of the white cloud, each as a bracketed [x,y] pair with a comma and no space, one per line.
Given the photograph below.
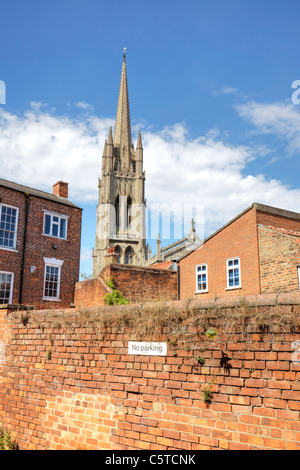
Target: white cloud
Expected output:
[38,148]
[85,253]
[279,119]
[210,172]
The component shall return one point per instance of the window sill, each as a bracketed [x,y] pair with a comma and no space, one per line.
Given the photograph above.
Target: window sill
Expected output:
[233,288]
[51,299]
[201,291]
[55,238]
[14,250]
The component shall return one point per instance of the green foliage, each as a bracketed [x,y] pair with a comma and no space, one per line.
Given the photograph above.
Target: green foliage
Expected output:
[200,360]
[115,297]
[49,354]
[211,333]
[207,393]
[6,442]
[86,276]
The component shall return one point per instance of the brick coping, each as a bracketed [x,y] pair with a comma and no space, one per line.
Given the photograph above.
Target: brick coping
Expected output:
[255,300]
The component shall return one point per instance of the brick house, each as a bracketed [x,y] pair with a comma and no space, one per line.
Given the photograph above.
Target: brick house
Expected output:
[256,252]
[40,235]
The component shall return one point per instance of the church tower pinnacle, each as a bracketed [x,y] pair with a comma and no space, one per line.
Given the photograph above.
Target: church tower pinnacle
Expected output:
[121,204]
[122,136]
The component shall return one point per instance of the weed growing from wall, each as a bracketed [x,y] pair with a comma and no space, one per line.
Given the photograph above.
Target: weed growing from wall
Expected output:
[6,442]
[115,297]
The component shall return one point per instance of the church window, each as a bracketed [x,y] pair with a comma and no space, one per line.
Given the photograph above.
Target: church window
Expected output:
[129,211]
[128,255]
[118,251]
[117,213]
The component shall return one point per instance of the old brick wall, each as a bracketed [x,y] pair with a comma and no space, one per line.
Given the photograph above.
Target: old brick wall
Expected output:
[39,246]
[134,282]
[280,221]
[91,292]
[279,259]
[68,382]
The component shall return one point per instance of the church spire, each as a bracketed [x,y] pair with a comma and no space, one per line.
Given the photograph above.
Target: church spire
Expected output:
[122,135]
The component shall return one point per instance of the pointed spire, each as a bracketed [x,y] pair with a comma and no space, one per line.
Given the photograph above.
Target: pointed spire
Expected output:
[110,139]
[139,141]
[122,137]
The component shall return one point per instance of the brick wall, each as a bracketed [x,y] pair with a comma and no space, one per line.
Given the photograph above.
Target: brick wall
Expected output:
[39,246]
[268,263]
[91,292]
[134,282]
[276,220]
[279,259]
[68,382]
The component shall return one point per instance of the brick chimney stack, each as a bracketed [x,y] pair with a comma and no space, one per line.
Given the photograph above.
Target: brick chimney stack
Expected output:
[61,189]
[111,257]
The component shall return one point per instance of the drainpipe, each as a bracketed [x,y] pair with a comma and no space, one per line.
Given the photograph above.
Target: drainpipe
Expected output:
[178,281]
[27,197]
[176,267]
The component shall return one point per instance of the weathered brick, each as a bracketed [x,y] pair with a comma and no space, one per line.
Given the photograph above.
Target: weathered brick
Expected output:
[40,246]
[92,400]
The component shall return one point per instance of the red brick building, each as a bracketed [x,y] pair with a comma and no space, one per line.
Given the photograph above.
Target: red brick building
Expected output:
[40,236]
[256,252]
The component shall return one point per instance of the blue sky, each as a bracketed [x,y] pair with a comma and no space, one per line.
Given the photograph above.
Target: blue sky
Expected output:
[210,86]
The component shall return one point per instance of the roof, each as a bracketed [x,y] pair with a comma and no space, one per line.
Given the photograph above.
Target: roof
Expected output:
[162,265]
[257,207]
[37,193]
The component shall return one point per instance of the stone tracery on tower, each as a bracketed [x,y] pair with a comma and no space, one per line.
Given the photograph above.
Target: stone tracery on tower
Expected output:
[121,203]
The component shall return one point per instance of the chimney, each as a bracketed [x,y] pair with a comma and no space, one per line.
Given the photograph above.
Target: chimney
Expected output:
[61,189]
[111,257]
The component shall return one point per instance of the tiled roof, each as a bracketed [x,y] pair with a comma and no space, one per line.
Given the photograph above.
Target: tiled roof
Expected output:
[36,192]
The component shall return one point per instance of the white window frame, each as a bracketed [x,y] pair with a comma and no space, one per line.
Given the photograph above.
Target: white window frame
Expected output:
[60,216]
[199,273]
[228,268]
[11,286]
[299,275]
[9,248]
[56,263]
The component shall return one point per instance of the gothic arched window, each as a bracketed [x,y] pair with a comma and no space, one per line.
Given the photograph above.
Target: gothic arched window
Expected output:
[129,211]
[129,255]
[118,251]
[117,213]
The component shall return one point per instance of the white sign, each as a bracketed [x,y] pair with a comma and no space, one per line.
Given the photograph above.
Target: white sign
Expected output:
[147,348]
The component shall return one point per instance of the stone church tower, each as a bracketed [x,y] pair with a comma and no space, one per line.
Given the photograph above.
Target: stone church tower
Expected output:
[121,207]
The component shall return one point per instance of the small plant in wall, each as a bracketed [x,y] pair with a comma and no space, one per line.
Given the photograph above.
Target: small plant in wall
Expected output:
[200,361]
[49,354]
[173,344]
[207,393]
[115,297]
[6,442]
[211,333]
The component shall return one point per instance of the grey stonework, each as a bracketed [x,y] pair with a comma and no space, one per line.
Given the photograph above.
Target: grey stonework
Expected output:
[122,206]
